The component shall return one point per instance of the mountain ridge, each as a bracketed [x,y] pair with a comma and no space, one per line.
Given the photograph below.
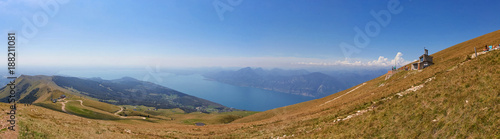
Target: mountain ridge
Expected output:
[123,91]
[298,82]
[457,97]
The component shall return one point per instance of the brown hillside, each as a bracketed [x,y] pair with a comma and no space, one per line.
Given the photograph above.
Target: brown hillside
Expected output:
[455,98]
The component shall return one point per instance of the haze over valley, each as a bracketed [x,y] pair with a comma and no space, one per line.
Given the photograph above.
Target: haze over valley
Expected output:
[249,69]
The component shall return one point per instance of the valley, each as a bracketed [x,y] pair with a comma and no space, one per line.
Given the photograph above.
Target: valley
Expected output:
[456,97]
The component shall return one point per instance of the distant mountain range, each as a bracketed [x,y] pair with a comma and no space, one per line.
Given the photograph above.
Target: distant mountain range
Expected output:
[299,82]
[124,91]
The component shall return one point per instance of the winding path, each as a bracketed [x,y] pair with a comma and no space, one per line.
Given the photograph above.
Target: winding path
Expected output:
[121,109]
[116,113]
[342,95]
[63,108]
[81,102]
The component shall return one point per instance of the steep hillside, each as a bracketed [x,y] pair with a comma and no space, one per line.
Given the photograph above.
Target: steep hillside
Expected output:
[125,91]
[33,89]
[458,97]
[129,91]
[452,98]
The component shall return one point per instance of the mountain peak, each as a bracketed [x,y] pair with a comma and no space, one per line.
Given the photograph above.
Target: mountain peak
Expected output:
[245,69]
[128,78]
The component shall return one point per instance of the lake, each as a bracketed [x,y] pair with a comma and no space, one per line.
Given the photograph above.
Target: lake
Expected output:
[246,98]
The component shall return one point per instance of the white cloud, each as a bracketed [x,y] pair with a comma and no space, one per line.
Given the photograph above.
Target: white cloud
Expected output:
[380,62]
[190,61]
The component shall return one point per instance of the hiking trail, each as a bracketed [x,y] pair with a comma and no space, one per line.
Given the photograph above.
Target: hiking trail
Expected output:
[342,95]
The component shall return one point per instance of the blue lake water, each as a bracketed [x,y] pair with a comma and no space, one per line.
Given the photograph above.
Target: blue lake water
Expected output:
[245,98]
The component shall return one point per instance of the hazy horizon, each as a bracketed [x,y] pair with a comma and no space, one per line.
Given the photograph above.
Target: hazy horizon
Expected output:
[216,34]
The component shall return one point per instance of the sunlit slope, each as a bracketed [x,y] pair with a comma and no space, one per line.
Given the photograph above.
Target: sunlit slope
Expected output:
[444,60]
[316,115]
[39,122]
[461,102]
[455,98]
[41,89]
[467,47]
[34,89]
[78,115]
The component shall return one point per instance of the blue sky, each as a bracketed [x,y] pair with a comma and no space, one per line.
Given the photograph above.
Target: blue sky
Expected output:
[257,33]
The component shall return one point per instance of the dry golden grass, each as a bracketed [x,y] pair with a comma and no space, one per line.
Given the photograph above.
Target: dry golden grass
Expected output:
[39,122]
[459,103]
[98,105]
[308,117]
[4,124]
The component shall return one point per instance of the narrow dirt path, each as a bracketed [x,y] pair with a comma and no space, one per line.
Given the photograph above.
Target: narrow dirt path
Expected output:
[121,109]
[400,94]
[342,95]
[116,113]
[63,108]
[81,102]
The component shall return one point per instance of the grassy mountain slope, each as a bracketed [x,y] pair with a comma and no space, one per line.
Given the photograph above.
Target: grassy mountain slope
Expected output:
[129,91]
[455,98]
[455,82]
[41,90]
[125,91]
[34,89]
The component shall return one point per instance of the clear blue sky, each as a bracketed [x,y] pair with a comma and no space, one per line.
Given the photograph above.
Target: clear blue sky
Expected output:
[258,33]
